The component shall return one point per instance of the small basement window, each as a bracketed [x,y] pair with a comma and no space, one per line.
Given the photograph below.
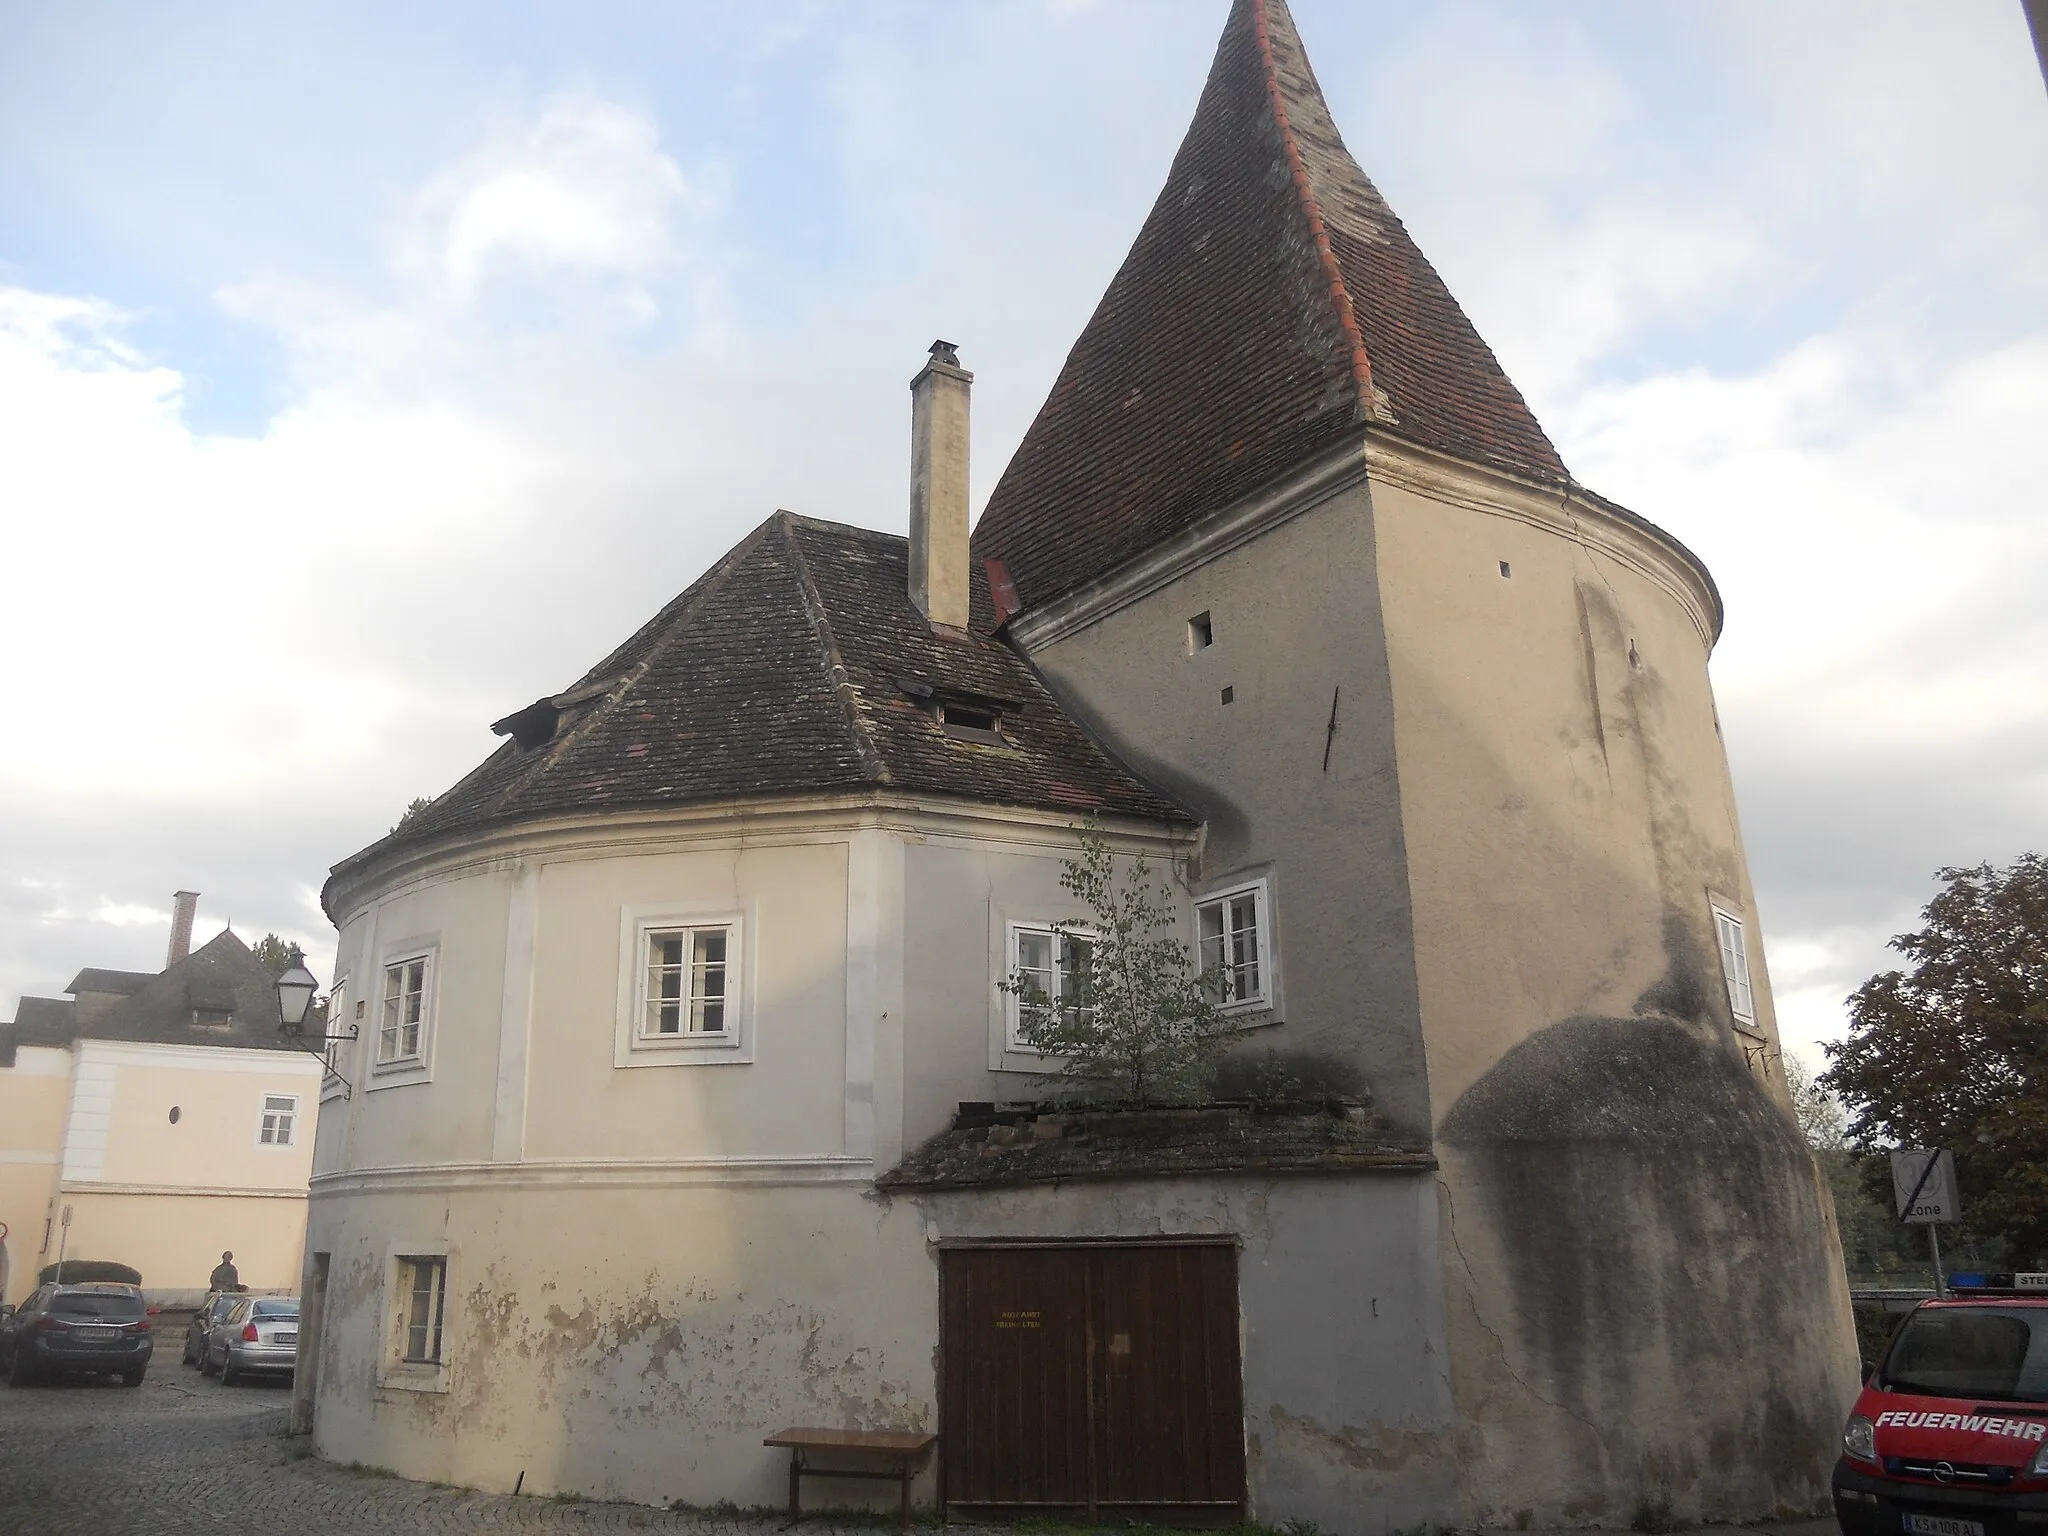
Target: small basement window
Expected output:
[1201,633]
[965,722]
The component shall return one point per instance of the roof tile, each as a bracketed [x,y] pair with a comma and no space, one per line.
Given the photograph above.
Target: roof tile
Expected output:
[790,668]
[1271,306]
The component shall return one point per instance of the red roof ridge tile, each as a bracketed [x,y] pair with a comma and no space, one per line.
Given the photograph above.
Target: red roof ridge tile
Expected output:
[1347,316]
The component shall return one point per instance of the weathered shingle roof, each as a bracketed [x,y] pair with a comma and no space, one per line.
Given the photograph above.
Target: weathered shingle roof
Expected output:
[220,994]
[120,983]
[798,664]
[1270,308]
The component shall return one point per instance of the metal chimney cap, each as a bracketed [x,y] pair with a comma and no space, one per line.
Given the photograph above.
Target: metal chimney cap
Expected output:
[946,352]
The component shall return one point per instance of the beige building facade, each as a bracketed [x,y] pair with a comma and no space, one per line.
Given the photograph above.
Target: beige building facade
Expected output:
[164,1156]
[157,1153]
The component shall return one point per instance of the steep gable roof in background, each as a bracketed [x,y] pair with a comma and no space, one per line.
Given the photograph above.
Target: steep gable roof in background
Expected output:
[797,664]
[220,994]
[1271,308]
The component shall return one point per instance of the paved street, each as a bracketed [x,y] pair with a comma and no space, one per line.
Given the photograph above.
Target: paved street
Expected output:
[182,1454]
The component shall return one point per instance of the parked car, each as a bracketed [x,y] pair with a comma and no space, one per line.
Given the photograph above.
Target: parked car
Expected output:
[66,1329]
[213,1310]
[1950,1434]
[259,1336]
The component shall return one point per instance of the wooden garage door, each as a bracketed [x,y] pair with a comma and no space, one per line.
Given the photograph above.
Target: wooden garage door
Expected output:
[1092,1376]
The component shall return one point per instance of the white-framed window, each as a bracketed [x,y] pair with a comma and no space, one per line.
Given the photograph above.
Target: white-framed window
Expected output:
[419,1329]
[279,1124]
[1055,962]
[685,989]
[683,993]
[423,1294]
[1234,934]
[1728,936]
[405,1010]
[338,999]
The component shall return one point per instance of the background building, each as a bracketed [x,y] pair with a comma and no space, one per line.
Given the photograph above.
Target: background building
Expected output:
[162,1112]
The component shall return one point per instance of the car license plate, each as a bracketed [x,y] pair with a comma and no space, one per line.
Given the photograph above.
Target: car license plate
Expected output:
[1941,1525]
[284,1338]
[98,1335]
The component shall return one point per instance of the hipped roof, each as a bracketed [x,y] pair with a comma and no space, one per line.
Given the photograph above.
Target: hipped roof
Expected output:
[797,664]
[1271,308]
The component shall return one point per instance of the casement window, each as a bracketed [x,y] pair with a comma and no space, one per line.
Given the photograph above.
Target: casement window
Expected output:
[686,984]
[338,1000]
[1235,933]
[1735,966]
[406,1014]
[1056,965]
[682,987]
[423,1287]
[279,1124]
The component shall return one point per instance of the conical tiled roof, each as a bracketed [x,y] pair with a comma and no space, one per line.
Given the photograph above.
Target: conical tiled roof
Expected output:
[797,664]
[1271,307]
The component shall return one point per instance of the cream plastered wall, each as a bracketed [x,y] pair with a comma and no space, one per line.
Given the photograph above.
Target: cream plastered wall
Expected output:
[1565,792]
[960,896]
[629,1336]
[657,1265]
[169,1197]
[214,1145]
[1289,589]
[33,1095]
[672,1320]
[1647,1296]
[175,1240]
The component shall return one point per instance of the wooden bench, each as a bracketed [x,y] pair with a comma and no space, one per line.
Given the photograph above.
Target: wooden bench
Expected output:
[903,1448]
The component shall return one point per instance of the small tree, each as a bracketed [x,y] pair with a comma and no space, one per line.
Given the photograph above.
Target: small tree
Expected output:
[412,812]
[276,955]
[1135,1016]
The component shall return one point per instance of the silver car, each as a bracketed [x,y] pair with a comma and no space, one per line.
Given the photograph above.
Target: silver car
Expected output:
[259,1336]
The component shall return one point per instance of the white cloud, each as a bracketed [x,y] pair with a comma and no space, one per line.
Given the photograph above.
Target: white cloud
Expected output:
[1870,506]
[582,190]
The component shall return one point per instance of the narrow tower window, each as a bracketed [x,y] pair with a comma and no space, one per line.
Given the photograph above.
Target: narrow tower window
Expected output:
[1201,633]
[1735,967]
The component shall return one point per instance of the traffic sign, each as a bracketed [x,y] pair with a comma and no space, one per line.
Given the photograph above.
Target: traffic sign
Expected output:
[1924,1186]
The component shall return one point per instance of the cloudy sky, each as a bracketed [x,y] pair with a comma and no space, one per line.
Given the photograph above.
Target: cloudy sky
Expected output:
[367,370]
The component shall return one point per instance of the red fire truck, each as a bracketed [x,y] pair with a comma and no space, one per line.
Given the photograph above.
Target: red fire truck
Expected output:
[1950,1434]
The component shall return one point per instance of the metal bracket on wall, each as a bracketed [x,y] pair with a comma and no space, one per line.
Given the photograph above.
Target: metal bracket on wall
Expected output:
[328,1049]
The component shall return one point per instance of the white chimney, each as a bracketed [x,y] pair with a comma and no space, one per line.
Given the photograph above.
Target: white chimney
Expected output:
[184,907]
[938,488]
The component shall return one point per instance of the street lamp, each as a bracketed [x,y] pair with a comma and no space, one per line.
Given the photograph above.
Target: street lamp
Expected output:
[295,989]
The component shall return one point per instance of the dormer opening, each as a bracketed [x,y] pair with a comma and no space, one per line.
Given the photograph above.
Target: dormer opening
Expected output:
[970,722]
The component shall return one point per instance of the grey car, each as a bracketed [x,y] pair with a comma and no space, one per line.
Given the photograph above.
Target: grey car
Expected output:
[259,1336]
[66,1329]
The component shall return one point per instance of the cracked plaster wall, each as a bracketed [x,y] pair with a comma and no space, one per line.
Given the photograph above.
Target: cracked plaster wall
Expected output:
[630,1343]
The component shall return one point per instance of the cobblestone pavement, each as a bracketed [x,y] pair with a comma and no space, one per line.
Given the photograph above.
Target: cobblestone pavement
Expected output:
[182,1454]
